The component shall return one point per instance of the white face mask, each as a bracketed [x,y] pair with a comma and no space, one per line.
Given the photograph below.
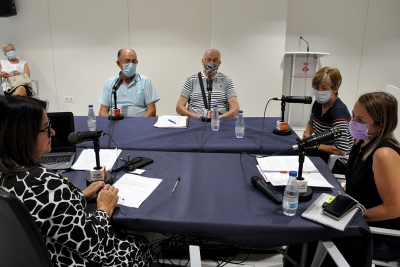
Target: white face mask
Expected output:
[322,96]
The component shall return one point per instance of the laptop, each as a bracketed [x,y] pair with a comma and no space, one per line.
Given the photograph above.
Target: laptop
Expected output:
[62,153]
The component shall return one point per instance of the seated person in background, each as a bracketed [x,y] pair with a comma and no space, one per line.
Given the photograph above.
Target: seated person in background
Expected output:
[328,111]
[13,66]
[373,170]
[136,97]
[223,91]
[73,236]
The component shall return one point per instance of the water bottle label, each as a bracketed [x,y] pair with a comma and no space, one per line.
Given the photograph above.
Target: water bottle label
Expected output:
[293,206]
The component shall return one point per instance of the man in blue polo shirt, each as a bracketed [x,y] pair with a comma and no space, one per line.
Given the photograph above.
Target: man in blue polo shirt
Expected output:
[136,96]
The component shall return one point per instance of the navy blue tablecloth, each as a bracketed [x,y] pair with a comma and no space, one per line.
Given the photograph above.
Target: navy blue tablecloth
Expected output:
[215,200]
[137,133]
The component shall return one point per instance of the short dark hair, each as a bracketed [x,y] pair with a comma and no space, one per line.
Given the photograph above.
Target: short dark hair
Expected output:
[20,122]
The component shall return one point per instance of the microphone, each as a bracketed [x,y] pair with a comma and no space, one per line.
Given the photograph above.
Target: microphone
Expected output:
[117,84]
[295,99]
[80,137]
[262,186]
[308,49]
[318,139]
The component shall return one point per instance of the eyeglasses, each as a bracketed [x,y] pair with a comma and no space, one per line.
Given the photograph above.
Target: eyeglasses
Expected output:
[209,60]
[9,50]
[127,61]
[130,165]
[47,129]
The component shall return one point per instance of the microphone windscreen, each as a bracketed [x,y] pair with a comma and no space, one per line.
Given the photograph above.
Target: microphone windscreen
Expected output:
[73,138]
[254,180]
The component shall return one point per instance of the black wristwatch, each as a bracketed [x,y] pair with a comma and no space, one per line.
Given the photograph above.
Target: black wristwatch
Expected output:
[317,146]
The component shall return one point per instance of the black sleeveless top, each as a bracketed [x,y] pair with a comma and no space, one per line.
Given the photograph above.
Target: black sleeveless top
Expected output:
[360,184]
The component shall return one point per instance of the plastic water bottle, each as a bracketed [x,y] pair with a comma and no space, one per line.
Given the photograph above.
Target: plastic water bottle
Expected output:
[291,195]
[215,119]
[239,127]
[91,119]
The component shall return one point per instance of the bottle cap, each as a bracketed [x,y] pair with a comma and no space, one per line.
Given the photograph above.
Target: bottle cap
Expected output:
[240,111]
[90,106]
[215,105]
[293,173]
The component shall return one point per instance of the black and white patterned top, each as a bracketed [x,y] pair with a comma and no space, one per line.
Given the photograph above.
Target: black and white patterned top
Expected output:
[336,116]
[72,235]
[222,90]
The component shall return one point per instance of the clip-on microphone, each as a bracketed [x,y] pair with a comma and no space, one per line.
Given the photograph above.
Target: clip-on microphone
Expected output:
[116,112]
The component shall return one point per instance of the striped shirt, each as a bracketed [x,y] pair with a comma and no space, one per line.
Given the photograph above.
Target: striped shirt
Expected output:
[222,90]
[336,116]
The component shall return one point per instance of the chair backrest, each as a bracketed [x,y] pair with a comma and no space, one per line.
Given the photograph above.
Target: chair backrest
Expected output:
[21,243]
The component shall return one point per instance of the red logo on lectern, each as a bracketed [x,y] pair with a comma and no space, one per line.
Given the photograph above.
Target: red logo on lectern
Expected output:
[305,68]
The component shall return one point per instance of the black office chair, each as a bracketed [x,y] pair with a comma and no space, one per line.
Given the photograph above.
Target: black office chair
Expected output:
[21,243]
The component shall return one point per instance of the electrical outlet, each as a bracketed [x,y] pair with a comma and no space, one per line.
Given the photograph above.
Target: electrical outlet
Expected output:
[68,99]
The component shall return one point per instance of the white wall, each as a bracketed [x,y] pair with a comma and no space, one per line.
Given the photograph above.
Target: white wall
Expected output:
[71,45]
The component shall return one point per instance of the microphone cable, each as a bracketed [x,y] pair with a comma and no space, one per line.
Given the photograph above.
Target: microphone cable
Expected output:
[262,127]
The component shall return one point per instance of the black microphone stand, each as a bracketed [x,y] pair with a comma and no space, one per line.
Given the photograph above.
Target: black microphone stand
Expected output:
[108,179]
[114,94]
[282,132]
[304,196]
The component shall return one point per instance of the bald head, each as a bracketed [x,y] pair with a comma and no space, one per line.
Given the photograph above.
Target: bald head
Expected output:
[125,51]
[211,52]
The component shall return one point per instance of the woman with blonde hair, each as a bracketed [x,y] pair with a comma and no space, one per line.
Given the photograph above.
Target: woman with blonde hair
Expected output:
[328,111]
[373,170]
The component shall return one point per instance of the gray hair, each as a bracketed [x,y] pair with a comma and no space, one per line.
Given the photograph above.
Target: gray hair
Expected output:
[4,46]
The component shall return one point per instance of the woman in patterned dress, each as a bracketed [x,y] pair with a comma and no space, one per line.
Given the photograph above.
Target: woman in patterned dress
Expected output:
[73,236]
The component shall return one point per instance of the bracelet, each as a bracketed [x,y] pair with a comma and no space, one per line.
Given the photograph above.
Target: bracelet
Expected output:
[317,146]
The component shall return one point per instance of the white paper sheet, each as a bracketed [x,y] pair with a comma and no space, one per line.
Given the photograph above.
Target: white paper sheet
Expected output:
[285,163]
[167,121]
[87,159]
[313,179]
[134,189]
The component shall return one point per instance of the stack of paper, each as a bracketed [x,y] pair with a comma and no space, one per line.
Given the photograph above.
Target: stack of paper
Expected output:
[166,121]
[276,170]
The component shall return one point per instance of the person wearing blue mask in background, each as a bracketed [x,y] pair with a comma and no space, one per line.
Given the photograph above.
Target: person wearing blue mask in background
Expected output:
[13,66]
[329,111]
[136,96]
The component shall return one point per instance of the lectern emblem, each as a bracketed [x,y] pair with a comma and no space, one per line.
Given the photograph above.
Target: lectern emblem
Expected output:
[305,69]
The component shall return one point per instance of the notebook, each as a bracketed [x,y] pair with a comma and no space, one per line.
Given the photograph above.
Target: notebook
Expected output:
[62,153]
[314,213]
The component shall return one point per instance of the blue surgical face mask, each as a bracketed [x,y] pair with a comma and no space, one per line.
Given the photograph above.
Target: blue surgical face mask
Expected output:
[129,69]
[11,54]
[322,96]
[359,130]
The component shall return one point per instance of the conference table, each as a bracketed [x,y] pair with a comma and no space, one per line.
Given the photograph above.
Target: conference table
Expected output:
[215,200]
[137,133]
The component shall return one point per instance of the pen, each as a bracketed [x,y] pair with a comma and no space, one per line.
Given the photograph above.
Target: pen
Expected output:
[176,184]
[172,121]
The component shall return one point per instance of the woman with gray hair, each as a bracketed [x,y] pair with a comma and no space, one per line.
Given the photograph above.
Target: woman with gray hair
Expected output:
[13,66]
